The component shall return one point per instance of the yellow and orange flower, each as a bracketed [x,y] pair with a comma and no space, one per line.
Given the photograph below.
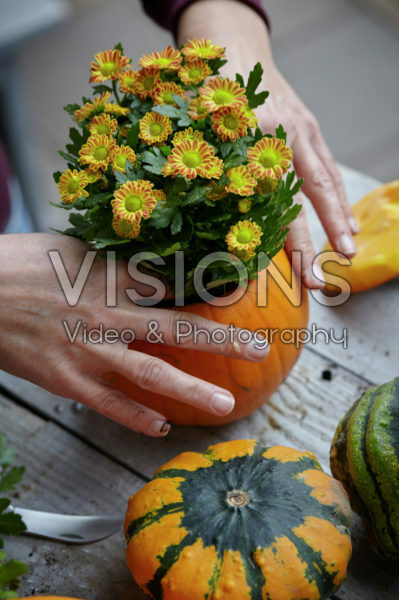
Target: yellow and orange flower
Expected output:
[244,205]
[154,128]
[190,159]
[146,81]
[92,108]
[119,157]
[243,238]
[124,228]
[216,191]
[97,152]
[216,170]
[107,65]
[163,93]
[197,110]
[269,158]
[127,80]
[242,182]
[187,134]
[115,109]
[194,72]
[266,186]
[229,123]
[202,49]
[103,125]
[72,185]
[93,176]
[159,195]
[219,91]
[251,116]
[169,58]
[134,201]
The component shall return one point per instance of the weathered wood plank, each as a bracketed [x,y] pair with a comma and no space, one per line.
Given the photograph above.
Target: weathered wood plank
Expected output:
[371,318]
[65,475]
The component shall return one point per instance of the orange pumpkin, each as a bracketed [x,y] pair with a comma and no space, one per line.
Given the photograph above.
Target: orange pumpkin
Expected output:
[250,383]
[47,598]
[377,258]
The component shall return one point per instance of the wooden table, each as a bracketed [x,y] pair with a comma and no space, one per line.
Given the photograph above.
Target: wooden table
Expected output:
[79,462]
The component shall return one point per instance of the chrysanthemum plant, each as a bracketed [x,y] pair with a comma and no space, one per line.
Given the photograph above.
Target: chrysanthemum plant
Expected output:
[170,158]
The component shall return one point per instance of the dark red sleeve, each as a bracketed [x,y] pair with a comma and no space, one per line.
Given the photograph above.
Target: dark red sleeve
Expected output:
[167,12]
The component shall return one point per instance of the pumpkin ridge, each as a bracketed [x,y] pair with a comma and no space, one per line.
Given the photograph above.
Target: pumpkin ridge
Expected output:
[151,517]
[366,453]
[168,559]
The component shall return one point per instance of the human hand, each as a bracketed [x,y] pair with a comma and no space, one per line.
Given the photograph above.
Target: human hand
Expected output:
[34,343]
[242,31]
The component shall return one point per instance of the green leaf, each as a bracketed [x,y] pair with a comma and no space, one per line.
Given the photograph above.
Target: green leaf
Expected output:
[57,176]
[10,478]
[121,177]
[11,570]
[68,157]
[254,79]
[70,108]
[6,453]
[166,150]
[119,47]
[162,216]
[258,134]
[183,119]
[196,195]
[240,80]
[11,523]
[177,222]
[215,64]
[101,89]
[153,160]
[280,133]
[133,135]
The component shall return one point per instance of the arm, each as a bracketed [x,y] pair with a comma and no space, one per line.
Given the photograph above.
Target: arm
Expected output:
[244,33]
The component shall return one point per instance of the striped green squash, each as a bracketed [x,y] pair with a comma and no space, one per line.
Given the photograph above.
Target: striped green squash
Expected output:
[239,522]
[365,458]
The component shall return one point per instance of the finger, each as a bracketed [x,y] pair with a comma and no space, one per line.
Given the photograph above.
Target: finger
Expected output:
[329,163]
[320,189]
[115,405]
[156,375]
[298,239]
[178,328]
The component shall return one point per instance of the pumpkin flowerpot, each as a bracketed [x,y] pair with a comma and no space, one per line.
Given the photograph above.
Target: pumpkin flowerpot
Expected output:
[250,383]
[365,458]
[239,522]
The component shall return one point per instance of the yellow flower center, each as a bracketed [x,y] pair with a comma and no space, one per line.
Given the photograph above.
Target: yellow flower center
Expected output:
[107,68]
[167,97]
[148,82]
[192,159]
[125,226]
[230,122]
[73,186]
[129,81]
[100,153]
[120,160]
[162,61]
[155,129]
[194,72]
[244,236]
[238,180]
[222,97]
[103,128]
[133,203]
[268,158]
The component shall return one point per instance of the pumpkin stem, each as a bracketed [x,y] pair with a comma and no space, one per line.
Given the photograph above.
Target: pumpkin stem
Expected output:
[237,498]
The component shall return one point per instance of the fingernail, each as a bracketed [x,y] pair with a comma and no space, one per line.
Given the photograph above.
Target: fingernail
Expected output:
[353,224]
[346,245]
[257,351]
[222,403]
[160,427]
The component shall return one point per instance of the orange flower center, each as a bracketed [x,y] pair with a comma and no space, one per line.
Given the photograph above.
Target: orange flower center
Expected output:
[192,160]
[244,236]
[100,153]
[155,129]
[268,158]
[133,203]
